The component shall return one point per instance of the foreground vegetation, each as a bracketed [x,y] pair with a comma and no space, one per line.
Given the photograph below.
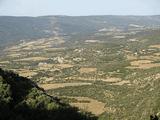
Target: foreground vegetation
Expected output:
[22,99]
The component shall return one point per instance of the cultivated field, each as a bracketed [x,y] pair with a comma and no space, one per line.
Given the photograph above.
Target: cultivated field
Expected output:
[103,73]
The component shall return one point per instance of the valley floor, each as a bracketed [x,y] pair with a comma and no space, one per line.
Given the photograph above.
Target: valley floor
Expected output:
[118,77]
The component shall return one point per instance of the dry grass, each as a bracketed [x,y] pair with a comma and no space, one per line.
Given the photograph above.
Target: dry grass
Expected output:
[63,66]
[4,62]
[121,83]
[155,56]
[54,49]
[119,37]
[112,79]
[33,59]
[140,62]
[14,55]
[45,66]
[87,70]
[93,106]
[143,64]
[131,57]
[92,41]
[155,46]
[26,73]
[13,49]
[47,79]
[36,45]
[109,79]
[81,78]
[61,85]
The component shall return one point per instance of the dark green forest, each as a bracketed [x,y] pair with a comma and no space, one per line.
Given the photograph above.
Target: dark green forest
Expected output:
[22,99]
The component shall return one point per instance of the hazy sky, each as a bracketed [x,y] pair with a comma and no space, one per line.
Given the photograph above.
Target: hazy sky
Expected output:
[79,7]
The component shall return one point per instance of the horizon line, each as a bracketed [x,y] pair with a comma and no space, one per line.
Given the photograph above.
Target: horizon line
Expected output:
[78,15]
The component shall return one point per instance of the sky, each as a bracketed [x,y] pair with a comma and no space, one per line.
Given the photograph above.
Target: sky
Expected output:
[78,7]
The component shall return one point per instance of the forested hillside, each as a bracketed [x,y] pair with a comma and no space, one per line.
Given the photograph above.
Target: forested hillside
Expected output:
[22,99]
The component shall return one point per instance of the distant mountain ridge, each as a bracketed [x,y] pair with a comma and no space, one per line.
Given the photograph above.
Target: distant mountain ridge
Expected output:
[19,28]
